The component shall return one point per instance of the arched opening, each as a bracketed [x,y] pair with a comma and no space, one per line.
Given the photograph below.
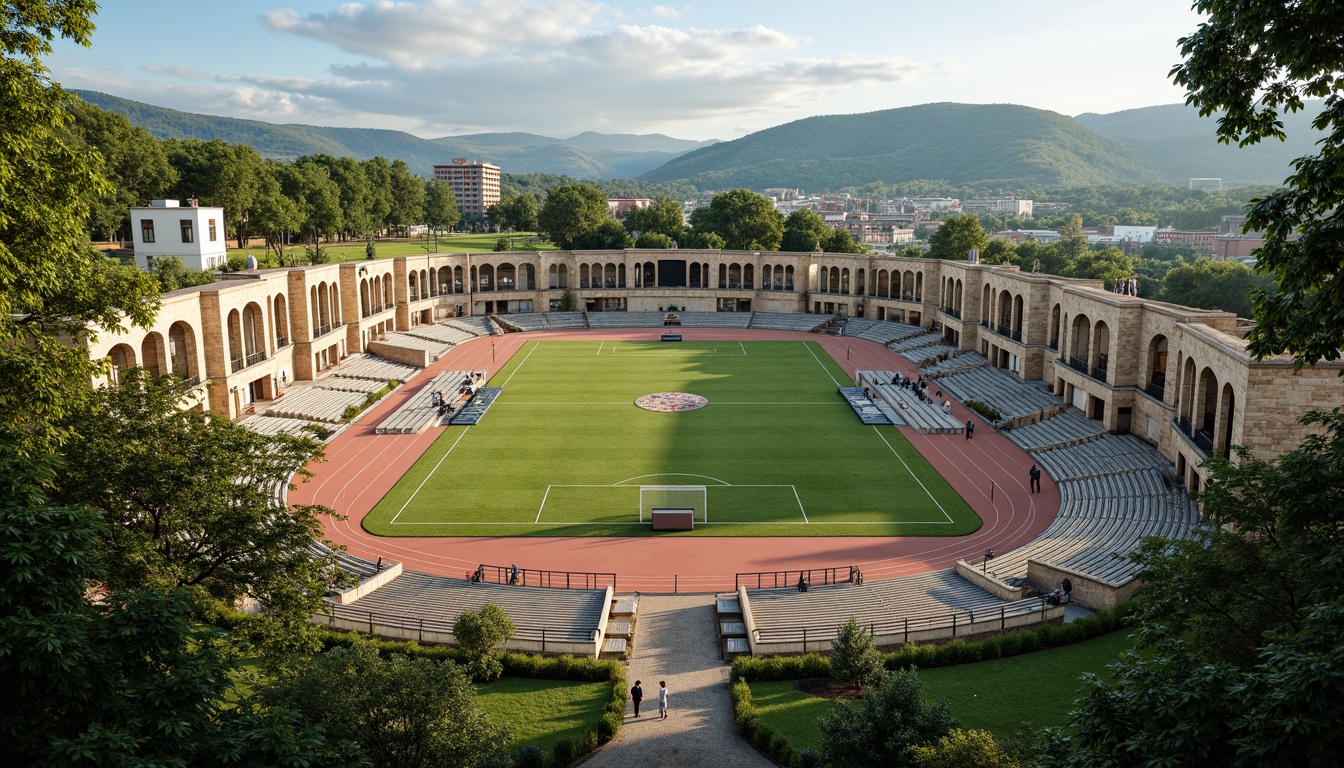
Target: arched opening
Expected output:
[985,304]
[1227,412]
[833,284]
[1082,338]
[335,290]
[723,275]
[883,283]
[413,285]
[254,333]
[585,279]
[609,276]
[425,288]
[457,280]
[620,275]
[445,280]
[365,307]
[386,283]
[1055,325]
[788,278]
[487,277]
[749,276]
[860,284]
[844,280]
[153,356]
[1206,409]
[506,277]
[919,286]
[236,353]
[647,275]
[123,360]
[959,300]
[280,312]
[1004,321]
[1157,367]
[182,350]
[734,275]
[1101,345]
[1187,398]
[695,278]
[1017,318]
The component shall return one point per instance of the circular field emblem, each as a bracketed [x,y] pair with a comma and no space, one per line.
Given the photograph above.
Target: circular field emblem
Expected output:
[671,402]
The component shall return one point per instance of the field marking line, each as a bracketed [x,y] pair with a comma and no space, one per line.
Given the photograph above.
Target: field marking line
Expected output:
[744,348]
[622,483]
[818,359]
[712,522]
[600,346]
[912,474]
[544,496]
[800,503]
[514,372]
[416,492]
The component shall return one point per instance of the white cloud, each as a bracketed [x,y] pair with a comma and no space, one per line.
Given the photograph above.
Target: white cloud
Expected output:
[663,12]
[183,72]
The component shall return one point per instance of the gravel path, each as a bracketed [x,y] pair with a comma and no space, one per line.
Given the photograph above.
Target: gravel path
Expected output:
[676,640]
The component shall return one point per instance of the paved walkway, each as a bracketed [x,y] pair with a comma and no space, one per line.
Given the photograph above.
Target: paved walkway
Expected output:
[676,640]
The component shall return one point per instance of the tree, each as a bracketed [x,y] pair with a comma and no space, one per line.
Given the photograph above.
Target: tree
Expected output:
[172,274]
[964,749]
[1072,241]
[1248,62]
[478,633]
[1209,284]
[51,283]
[408,195]
[572,211]
[127,680]
[841,241]
[355,194]
[804,232]
[1242,661]
[316,197]
[662,217]
[610,235]
[889,721]
[403,712]
[204,514]
[745,220]
[1109,264]
[132,160]
[956,236]
[854,658]
[998,251]
[654,240]
[440,206]
[276,215]
[517,213]
[378,172]
[218,173]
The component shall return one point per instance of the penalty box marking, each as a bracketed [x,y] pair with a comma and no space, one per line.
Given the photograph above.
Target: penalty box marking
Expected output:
[721,484]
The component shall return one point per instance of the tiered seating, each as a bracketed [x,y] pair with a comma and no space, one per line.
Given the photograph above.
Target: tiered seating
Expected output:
[547,321]
[316,404]
[1106,454]
[274,425]
[527,321]
[885,332]
[1012,397]
[915,342]
[566,615]
[888,606]
[930,354]
[347,384]
[566,320]
[476,325]
[436,349]
[787,321]
[961,362]
[626,319]
[714,319]
[1068,427]
[445,334]
[375,368]
[927,418]
[418,413]
[857,325]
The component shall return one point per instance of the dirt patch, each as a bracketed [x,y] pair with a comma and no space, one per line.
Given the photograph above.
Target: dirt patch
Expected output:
[826,688]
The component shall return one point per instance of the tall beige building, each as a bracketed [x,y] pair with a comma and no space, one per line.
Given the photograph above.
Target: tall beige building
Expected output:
[476,185]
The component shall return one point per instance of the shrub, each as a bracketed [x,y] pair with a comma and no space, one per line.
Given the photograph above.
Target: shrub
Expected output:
[770,668]
[854,659]
[984,409]
[563,753]
[781,751]
[807,759]
[589,742]
[529,756]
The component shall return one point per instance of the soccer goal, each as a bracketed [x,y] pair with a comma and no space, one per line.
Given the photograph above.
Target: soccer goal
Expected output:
[667,498]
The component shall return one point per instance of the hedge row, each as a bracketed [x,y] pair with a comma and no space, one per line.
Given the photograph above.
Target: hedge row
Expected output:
[565,667]
[927,656]
[351,411]
[765,738]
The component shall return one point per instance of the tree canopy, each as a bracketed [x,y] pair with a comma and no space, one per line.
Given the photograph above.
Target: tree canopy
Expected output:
[1209,284]
[572,211]
[889,721]
[662,217]
[1248,63]
[745,220]
[804,232]
[956,236]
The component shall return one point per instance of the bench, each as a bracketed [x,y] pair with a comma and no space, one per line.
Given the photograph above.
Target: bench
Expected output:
[673,519]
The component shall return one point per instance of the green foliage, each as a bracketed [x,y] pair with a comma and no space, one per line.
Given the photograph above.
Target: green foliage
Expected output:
[402,711]
[662,217]
[770,742]
[854,657]
[515,213]
[744,219]
[203,515]
[760,668]
[503,244]
[1250,62]
[564,752]
[529,756]
[568,301]
[1209,284]
[984,409]
[964,749]
[956,237]
[1109,264]
[890,720]
[478,633]
[610,235]
[571,212]
[710,241]
[654,240]
[440,205]
[804,232]
[132,160]
[172,274]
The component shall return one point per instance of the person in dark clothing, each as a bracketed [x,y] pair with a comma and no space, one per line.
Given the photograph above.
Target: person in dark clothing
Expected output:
[802,583]
[1035,474]
[970,428]
[636,695]
[513,574]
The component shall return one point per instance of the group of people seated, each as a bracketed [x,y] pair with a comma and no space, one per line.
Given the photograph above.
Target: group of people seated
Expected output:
[440,403]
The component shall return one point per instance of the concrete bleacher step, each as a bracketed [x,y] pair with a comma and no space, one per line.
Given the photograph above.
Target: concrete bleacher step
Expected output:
[314,404]
[618,628]
[614,647]
[727,606]
[625,606]
[419,413]
[374,367]
[732,629]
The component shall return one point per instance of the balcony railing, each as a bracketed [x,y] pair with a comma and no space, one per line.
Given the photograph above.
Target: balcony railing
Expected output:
[1157,391]
[323,330]
[1201,438]
[239,363]
[192,381]
[281,342]
[1076,363]
[953,311]
[1099,372]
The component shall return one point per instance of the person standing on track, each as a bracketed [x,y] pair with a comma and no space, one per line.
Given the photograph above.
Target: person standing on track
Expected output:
[1035,474]
[970,428]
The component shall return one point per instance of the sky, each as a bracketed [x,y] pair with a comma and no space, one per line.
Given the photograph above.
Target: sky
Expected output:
[691,70]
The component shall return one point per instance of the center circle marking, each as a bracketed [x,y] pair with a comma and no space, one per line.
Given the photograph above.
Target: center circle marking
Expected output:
[671,402]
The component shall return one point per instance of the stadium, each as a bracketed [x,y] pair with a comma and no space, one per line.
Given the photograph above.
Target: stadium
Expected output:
[813,454]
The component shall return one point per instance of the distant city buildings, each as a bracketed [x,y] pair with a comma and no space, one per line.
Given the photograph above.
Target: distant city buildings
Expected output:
[1202,240]
[620,206]
[1208,185]
[1011,206]
[476,185]
[166,228]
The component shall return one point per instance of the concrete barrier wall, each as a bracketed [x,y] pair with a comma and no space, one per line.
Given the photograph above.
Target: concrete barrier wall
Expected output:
[1088,592]
[990,583]
[417,357]
[368,585]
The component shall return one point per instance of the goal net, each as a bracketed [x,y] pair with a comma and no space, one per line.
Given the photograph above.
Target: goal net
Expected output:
[692,498]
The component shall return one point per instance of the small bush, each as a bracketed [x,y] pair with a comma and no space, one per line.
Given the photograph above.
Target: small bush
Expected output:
[763,737]
[781,751]
[529,756]
[984,409]
[563,753]
[589,742]
[807,759]
[771,668]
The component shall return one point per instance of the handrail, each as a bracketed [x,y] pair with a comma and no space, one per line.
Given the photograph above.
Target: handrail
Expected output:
[815,577]
[372,620]
[531,577]
[905,625]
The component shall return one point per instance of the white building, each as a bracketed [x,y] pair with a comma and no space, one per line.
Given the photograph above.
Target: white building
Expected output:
[193,234]
[1133,233]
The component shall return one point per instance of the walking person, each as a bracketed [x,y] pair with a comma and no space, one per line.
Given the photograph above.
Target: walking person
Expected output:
[1035,474]
[970,428]
[662,699]
[636,695]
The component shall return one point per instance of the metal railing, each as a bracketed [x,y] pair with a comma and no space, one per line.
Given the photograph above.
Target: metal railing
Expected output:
[815,577]
[1076,363]
[323,330]
[253,359]
[953,311]
[281,342]
[952,621]
[371,623]
[531,577]
[1202,438]
[1099,372]
[1157,391]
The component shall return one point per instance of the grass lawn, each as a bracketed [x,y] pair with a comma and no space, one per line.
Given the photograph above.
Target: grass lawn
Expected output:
[564,450]
[997,696]
[448,243]
[544,711]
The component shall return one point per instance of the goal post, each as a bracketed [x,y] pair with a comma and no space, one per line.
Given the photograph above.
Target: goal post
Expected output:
[694,498]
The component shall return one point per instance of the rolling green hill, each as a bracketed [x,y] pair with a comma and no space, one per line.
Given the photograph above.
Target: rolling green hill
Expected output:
[1178,142]
[980,145]
[587,156]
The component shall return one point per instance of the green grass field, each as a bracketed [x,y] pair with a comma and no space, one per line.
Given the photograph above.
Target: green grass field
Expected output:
[386,249]
[542,712]
[564,450]
[996,696]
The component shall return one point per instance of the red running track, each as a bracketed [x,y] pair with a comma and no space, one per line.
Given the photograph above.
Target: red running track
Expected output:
[361,467]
